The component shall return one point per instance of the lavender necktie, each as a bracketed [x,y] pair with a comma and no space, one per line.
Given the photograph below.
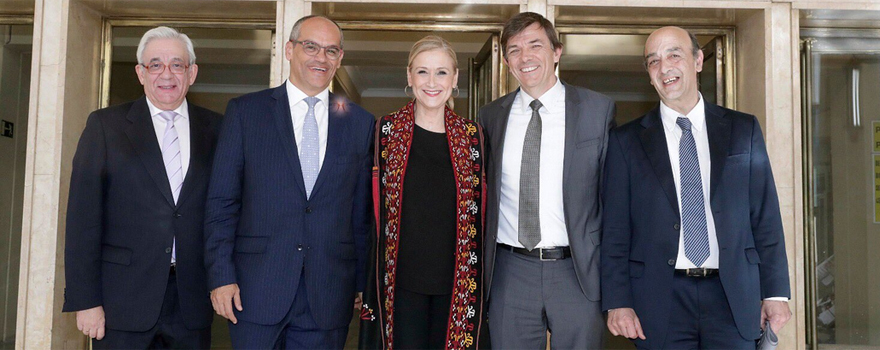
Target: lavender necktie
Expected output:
[308,153]
[171,157]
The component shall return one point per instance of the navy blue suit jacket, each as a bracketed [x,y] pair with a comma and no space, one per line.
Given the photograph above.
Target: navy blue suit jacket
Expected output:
[122,220]
[261,231]
[641,221]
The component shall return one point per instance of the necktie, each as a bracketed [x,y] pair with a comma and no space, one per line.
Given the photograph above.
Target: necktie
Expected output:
[693,209]
[529,182]
[308,154]
[171,158]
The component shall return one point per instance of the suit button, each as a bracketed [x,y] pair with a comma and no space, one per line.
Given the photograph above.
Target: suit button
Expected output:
[299,247]
[308,210]
[671,262]
[168,250]
[676,226]
[177,215]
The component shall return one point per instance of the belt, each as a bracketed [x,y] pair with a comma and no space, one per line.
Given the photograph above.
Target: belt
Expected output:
[697,272]
[545,254]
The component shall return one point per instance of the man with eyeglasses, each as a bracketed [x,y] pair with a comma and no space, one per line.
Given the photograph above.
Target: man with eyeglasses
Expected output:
[134,246]
[288,205]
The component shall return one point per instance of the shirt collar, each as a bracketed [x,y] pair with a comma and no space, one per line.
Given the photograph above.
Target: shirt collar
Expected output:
[296,95]
[697,116]
[550,99]
[181,110]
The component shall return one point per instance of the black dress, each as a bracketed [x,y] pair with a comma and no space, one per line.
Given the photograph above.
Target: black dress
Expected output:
[427,244]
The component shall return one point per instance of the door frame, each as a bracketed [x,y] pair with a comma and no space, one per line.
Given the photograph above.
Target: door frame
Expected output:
[107,40]
[728,34]
[499,80]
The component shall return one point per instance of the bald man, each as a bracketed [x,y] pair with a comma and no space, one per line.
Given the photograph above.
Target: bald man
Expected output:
[693,252]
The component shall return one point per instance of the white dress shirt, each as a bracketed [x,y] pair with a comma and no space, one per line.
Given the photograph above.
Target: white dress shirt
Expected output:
[182,126]
[697,116]
[298,110]
[552,216]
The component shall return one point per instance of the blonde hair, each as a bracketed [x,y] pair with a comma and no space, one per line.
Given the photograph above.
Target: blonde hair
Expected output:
[433,42]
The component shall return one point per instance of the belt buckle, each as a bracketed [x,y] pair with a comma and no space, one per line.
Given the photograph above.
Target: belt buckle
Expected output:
[541,255]
[697,272]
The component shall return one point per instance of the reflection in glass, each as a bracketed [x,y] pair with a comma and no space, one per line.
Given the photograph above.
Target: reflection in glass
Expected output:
[15,74]
[845,199]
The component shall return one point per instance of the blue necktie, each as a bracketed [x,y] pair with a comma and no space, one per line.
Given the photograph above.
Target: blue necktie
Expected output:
[308,153]
[693,209]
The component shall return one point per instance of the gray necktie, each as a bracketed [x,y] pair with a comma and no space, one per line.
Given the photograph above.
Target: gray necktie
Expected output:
[529,182]
[171,158]
[308,154]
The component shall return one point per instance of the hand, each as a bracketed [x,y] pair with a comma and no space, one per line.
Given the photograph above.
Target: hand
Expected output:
[91,322]
[359,301]
[623,321]
[777,312]
[222,299]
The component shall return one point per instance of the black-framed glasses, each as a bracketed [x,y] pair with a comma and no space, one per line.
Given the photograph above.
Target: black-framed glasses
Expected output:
[312,48]
[157,67]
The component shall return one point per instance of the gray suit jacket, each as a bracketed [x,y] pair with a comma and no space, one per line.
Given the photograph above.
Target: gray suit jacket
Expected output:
[588,118]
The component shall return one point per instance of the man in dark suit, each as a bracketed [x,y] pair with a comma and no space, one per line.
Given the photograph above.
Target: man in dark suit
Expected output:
[693,253]
[134,245]
[547,144]
[289,203]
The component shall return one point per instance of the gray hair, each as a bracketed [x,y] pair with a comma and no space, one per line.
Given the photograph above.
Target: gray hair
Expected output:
[294,33]
[165,33]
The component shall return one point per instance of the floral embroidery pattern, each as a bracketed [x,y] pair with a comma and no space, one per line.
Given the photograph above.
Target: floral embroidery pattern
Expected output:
[394,138]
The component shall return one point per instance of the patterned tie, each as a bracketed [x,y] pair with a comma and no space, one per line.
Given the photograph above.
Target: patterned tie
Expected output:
[173,168]
[308,154]
[693,209]
[529,182]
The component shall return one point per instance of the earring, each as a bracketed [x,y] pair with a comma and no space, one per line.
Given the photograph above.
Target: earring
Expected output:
[407,93]
[455,92]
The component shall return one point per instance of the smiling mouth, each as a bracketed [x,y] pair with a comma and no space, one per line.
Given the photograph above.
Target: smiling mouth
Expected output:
[167,87]
[319,69]
[528,69]
[432,93]
[670,80]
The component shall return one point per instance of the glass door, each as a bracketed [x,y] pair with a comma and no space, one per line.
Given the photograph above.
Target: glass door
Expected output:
[841,80]
[484,71]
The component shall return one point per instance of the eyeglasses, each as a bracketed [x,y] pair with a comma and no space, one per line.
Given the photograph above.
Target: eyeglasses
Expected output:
[159,67]
[311,48]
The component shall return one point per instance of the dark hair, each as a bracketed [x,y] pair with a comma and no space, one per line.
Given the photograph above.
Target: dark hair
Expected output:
[294,32]
[517,24]
[694,42]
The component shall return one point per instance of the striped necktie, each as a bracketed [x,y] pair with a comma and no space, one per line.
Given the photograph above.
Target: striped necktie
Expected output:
[171,158]
[693,209]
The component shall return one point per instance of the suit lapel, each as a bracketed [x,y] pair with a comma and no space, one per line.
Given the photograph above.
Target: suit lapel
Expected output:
[143,138]
[719,129]
[654,143]
[572,119]
[200,147]
[284,125]
[502,116]
[336,129]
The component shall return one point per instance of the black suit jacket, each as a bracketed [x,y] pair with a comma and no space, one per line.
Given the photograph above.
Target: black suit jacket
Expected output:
[588,118]
[641,233]
[121,219]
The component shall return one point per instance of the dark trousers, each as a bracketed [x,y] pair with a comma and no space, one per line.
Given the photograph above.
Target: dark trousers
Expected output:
[530,297]
[168,333]
[700,317]
[420,320]
[297,330]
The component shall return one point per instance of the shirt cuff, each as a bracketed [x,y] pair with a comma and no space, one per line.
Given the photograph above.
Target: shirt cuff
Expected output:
[777,299]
